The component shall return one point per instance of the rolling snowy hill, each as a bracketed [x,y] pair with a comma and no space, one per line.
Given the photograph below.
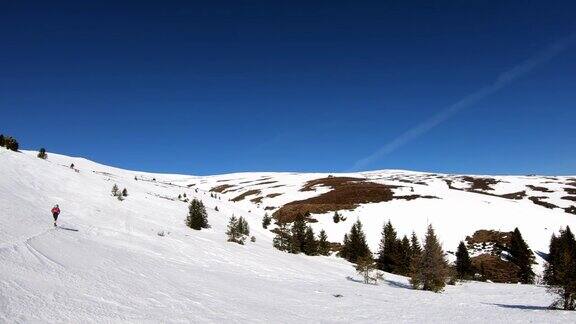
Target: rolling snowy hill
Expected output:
[116,268]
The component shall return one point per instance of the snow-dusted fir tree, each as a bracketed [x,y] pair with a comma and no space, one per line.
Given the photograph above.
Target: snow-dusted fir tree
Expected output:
[197,217]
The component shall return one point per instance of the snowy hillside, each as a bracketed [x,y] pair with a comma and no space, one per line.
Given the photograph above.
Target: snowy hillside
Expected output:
[116,268]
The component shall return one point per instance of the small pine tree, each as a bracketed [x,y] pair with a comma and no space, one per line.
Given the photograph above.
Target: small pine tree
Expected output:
[560,270]
[197,217]
[11,144]
[298,235]
[387,255]
[253,239]
[522,256]
[216,208]
[355,245]
[323,244]
[404,256]
[184,195]
[283,240]
[310,246]
[179,197]
[125,192]
[431,271]
[72,166]
[2,140]
[42,154]
[115,190]
[120,197]
[336,218]
[266,221]
[366,267]
[234,228]
[463,264]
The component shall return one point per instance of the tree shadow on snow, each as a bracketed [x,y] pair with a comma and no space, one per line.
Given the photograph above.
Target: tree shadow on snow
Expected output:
[524,307]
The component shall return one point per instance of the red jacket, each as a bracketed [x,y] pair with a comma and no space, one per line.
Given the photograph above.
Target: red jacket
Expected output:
[55,210]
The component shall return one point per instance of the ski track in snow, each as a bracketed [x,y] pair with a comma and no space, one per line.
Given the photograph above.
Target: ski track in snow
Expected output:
[117,269]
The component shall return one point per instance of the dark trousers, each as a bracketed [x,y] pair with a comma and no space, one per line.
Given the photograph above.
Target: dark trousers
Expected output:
[55,216]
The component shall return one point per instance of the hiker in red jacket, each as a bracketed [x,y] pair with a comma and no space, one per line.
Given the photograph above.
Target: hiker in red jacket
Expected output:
[55,213]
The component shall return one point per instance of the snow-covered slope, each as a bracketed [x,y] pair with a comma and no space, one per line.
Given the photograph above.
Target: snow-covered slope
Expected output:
[117,268]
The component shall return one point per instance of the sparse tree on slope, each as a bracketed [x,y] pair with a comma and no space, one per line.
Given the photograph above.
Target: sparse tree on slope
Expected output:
[310,244]
[115,190]
[355,245]
[432,271]
[283,240]
[298,234]
[323,245]
[234,232]
[368,269]
[522,256]
[266,221]
[404,256]
[197,217]
[42,154]
[387,255]
[560,270]
[463,263]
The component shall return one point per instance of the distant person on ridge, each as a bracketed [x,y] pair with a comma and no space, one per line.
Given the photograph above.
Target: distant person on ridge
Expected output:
[55,213]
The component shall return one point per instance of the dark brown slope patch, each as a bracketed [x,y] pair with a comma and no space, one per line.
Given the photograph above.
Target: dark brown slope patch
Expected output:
[570,191]
[571,198]
[264,183]
[541,189]
[570,210]
[539,201]
[513,195]
[257,200]
[480,183]
[246,194]
[332,182]
[221,188]
[272,195]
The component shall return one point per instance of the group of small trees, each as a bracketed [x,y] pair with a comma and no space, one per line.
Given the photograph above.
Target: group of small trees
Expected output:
[238,230]
[266,221]
[42,154]
[300,238]
[119,194]
[560,271]
[197,217]
[9,142]
[338,217]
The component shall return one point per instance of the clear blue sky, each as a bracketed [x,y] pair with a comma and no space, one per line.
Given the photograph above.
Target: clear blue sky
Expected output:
[204,87]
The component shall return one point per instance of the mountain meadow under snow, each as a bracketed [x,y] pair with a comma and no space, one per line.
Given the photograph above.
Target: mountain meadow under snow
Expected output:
[135,260]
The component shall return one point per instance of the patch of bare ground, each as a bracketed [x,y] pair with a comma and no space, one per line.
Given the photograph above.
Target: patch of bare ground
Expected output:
[539,201]
[246,194]
[272,195]
[570,210]
[257,200]
[492,267]
[223,180]
[570,191]
[346,194]
[572,198]
[413,182]
[264,183]
[541,189]
[191,185]
[513,195]
[269,208]
[221,188]
[277,186]
[480,183]
[483,236]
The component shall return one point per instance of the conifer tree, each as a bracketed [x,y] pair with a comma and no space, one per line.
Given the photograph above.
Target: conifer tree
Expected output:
[11,144]
[2,140]
[560,270]
[366,267]
[336,217]
[125,192]
[522,257]
[355,245]
[298,234]
[431,271]
[283,240]
[404,256]
[266,221]
[115,190]
[42,154]
[310,246]
[388,254]
[197,217]
[463,263]
[234,231]
[323,245]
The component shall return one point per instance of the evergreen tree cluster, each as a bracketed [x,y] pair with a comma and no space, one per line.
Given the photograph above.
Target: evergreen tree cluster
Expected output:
[300,238]
[9,142]
[354,245]
[395,254]
[42,154]
[197,217]
[429,269]
[560,270]
[119,194]
[266,221]
[238,230]
[337,218]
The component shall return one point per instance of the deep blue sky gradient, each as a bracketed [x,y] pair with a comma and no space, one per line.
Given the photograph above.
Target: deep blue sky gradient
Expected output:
[204,87]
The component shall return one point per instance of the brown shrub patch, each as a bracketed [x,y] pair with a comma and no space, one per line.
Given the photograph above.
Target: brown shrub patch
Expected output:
[246,194]
[539,201]
[221,188]
[277,186]
[572,198]
[257,200]
[269,208]
[345,195]
[480,183]
[272,195]
[332,182]
[412,197]
[570,191]
[492,267]
[513,195]
[570,210]
[485,236]
[264,183]
[541,189]
[223,180]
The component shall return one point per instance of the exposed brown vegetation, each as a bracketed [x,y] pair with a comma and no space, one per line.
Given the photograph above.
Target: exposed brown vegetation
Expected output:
[246,194]
[223,180]
[485,236]
[572,198]
[570,210]
[257,200]
[570,191]
[492,267]
[272,195]
[412,197]
[480,183]
[538,201]
[513,195]
[221,188]
[264,183]
[332,182]
[269,208]
[277,186]
[541,189]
